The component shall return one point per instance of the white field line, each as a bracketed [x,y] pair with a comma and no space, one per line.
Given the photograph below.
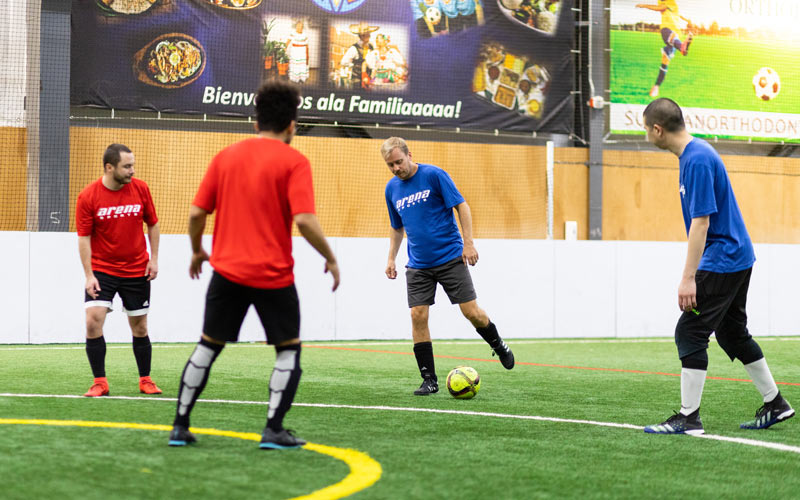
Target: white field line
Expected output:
[126,345]
[744,441]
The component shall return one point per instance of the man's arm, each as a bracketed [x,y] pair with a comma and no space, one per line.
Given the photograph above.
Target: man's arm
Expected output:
[154,235]
[470,254]
[92,286]
[687,290]
[657,8]
[197,224]
[309,227]
[395,239]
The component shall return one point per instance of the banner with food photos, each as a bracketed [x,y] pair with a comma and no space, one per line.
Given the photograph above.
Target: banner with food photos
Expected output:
[730,64]
[479,64]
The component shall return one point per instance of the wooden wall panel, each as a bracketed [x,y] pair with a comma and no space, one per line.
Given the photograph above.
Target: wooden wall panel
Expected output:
[504,185]
[13,178]
[571,191]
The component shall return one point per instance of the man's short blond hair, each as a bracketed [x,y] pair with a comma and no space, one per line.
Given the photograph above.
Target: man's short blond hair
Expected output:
[391,144]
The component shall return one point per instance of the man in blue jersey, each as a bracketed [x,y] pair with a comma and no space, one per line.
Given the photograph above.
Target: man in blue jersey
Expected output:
[421,199]
[713,289]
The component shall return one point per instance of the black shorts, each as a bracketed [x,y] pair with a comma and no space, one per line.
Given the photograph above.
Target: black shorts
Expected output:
[453,276]
[227,304]
[722,308]
[134,292]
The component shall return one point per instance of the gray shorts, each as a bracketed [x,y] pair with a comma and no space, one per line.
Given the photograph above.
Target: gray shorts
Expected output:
[454,277]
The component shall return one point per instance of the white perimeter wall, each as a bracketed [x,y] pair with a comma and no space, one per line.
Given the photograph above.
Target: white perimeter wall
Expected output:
[530,288]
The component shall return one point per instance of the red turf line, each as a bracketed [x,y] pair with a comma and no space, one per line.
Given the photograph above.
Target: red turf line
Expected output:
[461,358]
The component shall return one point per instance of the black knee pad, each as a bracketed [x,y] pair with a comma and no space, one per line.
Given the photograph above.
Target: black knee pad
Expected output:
[697,360]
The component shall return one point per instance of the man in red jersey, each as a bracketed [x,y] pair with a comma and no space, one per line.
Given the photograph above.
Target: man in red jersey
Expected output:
[109,217]
[257,187]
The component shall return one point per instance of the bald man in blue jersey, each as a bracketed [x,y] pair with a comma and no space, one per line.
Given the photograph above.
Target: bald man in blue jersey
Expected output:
[712,293]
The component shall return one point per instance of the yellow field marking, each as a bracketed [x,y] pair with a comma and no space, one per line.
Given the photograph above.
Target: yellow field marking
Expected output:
[364,471]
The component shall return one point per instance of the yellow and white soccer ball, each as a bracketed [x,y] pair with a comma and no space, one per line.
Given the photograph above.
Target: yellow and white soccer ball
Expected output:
[463,382]
[766,84]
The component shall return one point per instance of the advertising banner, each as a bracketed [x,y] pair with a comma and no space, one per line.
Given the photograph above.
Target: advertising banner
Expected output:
[733,65]
[481,64]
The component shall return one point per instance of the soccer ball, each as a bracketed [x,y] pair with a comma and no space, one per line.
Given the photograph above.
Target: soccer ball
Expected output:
[463,382]
[433,14]
[767,84]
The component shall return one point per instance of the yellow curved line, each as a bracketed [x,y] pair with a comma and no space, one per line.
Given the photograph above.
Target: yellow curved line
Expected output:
[364,471]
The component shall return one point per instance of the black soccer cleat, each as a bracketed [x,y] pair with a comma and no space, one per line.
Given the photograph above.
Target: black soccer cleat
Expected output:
[679,424]
[180,436]
[284,439]
[429,386]
[770,413]
[504,353]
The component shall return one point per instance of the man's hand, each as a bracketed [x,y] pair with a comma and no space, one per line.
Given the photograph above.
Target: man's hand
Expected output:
[391,270]
[469,255]
[92,286]
[152,270]
[687,294]
[196,265]
[333,268]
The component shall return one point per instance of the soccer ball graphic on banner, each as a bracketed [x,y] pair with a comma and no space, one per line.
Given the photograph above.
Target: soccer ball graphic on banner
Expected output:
[767,84]
[463,382]
[433,14]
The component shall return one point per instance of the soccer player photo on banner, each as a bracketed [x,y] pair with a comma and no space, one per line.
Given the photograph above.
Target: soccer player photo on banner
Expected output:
[730,64]
[479,64]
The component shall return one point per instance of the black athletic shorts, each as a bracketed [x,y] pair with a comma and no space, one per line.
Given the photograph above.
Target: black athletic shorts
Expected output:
[134,292]
[722,308]
[453,276]
[227,304]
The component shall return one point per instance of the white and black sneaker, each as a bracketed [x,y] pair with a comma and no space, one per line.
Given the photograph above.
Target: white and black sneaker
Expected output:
[429,386]
[679,424]
[770,413]
[504,353]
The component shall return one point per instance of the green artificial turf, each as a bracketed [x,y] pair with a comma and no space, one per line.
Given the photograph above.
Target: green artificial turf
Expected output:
[484,455]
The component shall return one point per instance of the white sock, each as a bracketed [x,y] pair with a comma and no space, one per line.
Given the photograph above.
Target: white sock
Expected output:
[762,378]
[692,382]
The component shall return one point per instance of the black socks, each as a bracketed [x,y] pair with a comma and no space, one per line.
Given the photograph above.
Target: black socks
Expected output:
[96,352]
[143,351]
[423,351]
[194,378]
[283,384]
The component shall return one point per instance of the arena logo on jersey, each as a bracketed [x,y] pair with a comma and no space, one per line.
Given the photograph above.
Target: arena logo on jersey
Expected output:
[120,211]
[339,6]
[412,199]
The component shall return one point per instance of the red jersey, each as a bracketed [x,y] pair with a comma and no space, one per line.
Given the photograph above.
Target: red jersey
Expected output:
[256,186]
[114,221]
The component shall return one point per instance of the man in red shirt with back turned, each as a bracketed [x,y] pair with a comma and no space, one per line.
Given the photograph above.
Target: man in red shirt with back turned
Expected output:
[109,217]
[257,187]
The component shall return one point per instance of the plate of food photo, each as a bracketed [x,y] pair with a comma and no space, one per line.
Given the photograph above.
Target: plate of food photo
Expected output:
[235,4]
[126,7]
[538,15]
[170,61]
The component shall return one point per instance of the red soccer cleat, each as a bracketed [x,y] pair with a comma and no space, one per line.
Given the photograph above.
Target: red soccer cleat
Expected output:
[147,386]
[99,388]
[685,46]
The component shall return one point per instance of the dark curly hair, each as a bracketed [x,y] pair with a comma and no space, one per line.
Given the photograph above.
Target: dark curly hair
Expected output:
[276,105]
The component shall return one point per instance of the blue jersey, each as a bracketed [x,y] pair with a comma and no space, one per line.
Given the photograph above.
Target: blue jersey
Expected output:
[416,9]
[423,205]
[466,7]
[448,8]
[706,190]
